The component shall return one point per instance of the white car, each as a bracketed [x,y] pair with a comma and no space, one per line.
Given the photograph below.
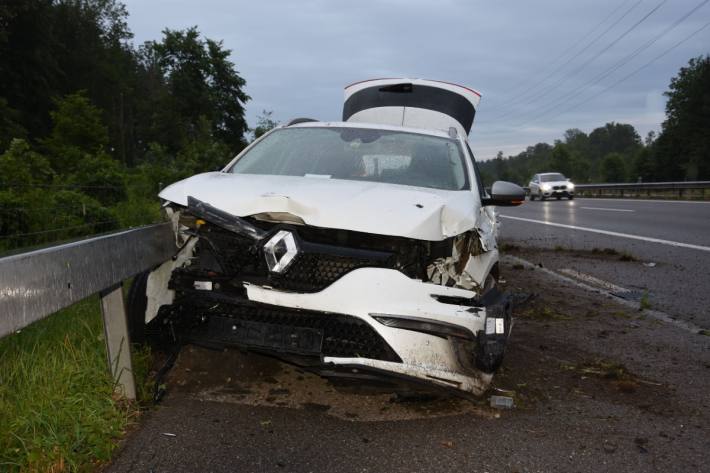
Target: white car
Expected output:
[550,184]
[361,246]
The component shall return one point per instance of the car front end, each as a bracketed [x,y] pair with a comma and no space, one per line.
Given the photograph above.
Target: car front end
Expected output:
[343,276]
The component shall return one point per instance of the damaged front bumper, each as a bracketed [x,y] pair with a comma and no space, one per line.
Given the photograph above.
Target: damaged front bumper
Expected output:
[342,314]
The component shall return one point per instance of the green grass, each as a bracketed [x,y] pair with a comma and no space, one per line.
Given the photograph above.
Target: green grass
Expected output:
[58,412]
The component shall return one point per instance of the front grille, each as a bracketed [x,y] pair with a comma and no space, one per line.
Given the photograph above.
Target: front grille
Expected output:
[316,266]
[343,335]
[559,188]
[313,272]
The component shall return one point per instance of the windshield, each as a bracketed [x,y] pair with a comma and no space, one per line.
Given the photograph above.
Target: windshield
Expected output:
[552,177]
[358,154]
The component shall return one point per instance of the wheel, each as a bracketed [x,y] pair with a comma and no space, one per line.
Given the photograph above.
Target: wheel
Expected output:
[542,197]
[570,197]
[135,308]
[532,197]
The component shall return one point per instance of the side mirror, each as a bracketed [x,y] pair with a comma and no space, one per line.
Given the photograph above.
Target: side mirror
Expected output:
[505,194]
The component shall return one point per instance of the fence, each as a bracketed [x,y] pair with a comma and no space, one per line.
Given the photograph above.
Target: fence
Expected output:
[38,283]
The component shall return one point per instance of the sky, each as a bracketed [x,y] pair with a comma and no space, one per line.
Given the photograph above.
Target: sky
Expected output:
[542,67]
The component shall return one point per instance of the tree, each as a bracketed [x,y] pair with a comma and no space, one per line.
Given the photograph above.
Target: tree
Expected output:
[202,85]
[683,148]
[264,123]
[561,160]
[612,168]
[77,131]
[613,137]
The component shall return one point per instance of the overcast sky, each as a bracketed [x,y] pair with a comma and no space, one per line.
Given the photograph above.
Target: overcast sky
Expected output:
[531,61]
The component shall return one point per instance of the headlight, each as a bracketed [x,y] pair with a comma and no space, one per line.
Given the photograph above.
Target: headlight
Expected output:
[545,187]
[570,185]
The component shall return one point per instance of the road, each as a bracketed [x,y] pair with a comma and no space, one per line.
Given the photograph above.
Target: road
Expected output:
[597,387]
[663,247]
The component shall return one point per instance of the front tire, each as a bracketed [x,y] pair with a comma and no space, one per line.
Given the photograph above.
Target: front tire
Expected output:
[571,197]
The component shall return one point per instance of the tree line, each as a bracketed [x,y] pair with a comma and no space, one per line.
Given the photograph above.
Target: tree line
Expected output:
[616,153]
[91,125]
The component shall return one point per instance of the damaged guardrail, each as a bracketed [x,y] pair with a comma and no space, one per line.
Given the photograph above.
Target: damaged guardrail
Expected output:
[36,284]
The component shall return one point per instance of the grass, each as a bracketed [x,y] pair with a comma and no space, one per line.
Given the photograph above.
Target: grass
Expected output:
[58,412]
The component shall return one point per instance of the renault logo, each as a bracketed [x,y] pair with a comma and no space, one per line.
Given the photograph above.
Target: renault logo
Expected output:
[280,251]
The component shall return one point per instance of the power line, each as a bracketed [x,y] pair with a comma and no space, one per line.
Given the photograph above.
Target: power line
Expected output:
[514,95]
[554,86]
[524,96]
[622,62]
[636,71]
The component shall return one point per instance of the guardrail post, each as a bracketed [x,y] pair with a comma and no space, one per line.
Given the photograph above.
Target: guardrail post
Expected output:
[118,347]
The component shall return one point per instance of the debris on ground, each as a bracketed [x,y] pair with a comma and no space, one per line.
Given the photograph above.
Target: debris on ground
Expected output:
[502,402]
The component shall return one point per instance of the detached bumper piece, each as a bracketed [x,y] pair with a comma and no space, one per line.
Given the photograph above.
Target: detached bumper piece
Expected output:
[276,329]
[491,342]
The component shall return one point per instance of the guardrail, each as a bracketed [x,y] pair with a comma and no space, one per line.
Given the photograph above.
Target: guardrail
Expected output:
[682,189]
[36,284]
[625,189]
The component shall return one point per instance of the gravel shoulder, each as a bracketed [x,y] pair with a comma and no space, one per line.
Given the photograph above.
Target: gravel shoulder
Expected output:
[597,387]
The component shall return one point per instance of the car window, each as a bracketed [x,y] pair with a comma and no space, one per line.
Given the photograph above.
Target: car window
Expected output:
[361,154]
[552,177]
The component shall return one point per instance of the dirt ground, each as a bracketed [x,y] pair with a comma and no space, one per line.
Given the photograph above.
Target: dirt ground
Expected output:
[597,386]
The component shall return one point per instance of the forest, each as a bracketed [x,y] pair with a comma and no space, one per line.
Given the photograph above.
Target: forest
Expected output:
[92,126]
[616,153]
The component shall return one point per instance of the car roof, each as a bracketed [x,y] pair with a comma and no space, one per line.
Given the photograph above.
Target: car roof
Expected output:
[376,126]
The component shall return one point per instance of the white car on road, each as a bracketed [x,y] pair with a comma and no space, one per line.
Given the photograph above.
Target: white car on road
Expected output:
[366,246]
[550,184]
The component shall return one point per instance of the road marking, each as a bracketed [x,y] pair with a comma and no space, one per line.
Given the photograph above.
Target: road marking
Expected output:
[594,281]
[616,234]
[610,210]
[656,314]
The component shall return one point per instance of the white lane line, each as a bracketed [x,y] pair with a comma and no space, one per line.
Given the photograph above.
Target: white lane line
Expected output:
[594,281]
[616,234]
[610,210]
[656,314]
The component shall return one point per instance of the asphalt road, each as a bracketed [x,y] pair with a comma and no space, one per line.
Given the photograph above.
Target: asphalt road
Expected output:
[597,387]
[666,245]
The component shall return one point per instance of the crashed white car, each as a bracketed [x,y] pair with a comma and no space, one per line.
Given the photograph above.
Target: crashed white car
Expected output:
[362,246]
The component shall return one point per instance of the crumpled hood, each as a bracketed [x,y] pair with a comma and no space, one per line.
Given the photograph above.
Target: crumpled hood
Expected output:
[385,209]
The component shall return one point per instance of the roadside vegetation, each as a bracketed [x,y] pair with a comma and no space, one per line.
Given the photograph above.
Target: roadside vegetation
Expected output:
[92,126]
[616,153]
[58,412]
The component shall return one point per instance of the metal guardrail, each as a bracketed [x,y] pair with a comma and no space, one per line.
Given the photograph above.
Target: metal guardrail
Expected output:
[38,283]
[623,187]
[647,185]
[682,189]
